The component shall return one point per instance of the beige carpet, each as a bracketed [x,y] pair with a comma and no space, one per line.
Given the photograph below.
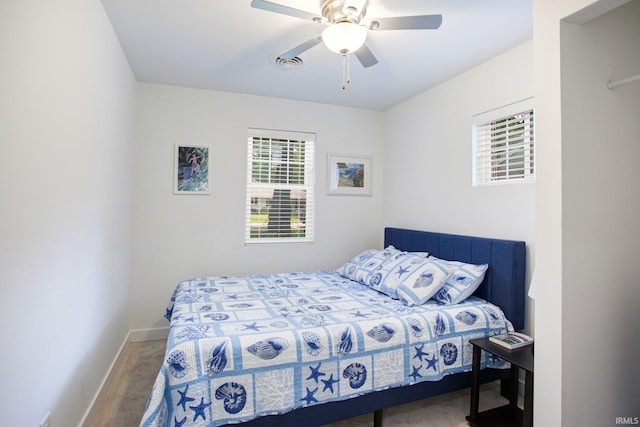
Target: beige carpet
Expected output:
[125,397]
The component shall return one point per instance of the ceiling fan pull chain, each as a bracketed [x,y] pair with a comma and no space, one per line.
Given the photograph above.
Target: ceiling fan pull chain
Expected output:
[346,65]
[344,71]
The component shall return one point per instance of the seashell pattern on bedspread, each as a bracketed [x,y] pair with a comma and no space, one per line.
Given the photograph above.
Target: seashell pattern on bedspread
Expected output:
[245,346]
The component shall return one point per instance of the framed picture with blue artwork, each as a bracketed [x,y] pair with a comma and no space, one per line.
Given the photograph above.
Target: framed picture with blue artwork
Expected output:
[191,174]
[349,175]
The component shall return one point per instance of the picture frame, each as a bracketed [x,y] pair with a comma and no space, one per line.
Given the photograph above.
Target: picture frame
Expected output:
[191,169]
[349,175]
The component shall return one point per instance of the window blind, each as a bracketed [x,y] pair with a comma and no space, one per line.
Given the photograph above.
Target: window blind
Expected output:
[280,187]
[504,149]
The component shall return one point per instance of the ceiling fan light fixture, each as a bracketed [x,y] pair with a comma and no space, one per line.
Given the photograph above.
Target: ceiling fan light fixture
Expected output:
[344,37]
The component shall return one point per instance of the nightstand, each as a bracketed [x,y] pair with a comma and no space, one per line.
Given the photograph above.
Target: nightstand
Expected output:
[509,415]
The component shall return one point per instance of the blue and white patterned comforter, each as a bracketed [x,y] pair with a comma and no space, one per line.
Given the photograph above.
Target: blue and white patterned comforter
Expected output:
[244,346]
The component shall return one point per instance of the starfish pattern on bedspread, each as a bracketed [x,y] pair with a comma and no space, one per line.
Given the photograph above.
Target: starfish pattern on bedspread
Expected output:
[184,399]
[420,352]
[431,363]
[199,409]
[328,384]
[416,373]
[309,397]
[315,373]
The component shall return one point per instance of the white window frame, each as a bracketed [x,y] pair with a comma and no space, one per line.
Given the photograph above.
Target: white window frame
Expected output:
[256,191]
[513,161]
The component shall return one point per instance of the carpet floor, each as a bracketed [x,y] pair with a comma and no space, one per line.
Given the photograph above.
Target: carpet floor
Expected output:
[125,397]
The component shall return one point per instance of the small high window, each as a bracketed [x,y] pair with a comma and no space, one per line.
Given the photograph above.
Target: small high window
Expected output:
[503,141]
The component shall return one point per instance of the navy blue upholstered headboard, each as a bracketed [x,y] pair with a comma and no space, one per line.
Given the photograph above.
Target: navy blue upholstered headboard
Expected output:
[504,281]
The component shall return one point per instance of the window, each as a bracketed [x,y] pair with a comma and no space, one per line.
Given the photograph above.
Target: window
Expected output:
[504,145]
[279,206]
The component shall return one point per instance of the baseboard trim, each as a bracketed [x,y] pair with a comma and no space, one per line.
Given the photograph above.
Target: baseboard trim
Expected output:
[87,418]
[134,335]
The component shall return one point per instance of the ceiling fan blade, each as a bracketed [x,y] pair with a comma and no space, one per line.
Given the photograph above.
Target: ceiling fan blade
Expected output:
[417,22]
[292,53]
[365,56]
[285,10]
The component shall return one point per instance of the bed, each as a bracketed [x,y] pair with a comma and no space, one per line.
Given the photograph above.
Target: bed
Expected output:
[311,348]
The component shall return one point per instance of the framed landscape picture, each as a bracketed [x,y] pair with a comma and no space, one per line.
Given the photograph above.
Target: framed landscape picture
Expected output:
[191,174]
[348,175]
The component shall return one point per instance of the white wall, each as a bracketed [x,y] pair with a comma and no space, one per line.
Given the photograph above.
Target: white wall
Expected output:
[600,212]
[428,160]
[181,236]
[549,404]
[65,137]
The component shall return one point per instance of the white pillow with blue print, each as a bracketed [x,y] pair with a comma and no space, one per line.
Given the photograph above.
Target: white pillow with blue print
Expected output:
[423,284]
[362,266]
[408,277]
[462,283]
[352,268]
[393,249]
[376,263]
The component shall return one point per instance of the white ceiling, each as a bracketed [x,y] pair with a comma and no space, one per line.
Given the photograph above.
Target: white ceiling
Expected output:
[227,45]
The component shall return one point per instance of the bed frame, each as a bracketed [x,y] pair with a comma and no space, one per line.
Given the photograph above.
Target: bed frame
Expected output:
[503,285]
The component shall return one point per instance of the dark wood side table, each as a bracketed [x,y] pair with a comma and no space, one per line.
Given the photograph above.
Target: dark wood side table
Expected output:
[509,415]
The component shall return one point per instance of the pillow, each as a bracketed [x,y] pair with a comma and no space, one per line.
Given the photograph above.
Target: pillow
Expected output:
[361,267]
[422,254]
[462,283]
[355,267]
[411,278]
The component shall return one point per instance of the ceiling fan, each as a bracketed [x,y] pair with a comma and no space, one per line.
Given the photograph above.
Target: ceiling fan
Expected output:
[347,26]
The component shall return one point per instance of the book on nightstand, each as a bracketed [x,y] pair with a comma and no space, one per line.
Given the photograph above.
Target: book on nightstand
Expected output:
[511,340]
